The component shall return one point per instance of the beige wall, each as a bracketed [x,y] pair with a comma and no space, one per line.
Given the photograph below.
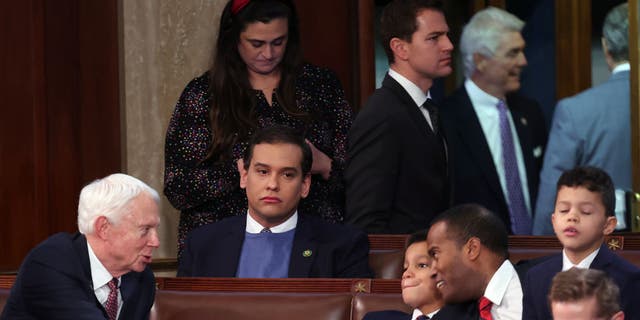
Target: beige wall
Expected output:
[163,45]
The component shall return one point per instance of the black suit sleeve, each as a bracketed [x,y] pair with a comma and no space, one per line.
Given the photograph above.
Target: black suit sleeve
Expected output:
[353,259]
[371,174]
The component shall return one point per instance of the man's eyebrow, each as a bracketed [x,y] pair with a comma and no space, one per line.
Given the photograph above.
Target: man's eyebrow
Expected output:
[262,165]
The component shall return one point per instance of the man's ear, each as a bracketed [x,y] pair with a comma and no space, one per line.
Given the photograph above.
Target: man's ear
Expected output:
[605,46]
[100,227]
[243,173]
[399,48]
[472,248]
[306,186]
[610,225]
[618,316]
[479,61]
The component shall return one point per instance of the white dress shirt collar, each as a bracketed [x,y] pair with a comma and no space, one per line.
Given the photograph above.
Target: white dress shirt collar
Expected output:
[100,276]
[621,67]
[505,292]
[254,227]
[479,96]
[417,313]
[418,96]
[584,264]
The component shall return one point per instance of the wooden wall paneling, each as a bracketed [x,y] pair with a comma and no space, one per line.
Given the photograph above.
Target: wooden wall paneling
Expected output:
[327,32]
[62,111]
[573,47]
[22,134]
[99,88]
[61,123]
[365,53]
[82,101]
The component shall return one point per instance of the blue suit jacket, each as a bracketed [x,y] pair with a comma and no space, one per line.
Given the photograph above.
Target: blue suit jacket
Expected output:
[54,282]
[591,128]
[538,281]
[475,178]
[337,251]
[461,311]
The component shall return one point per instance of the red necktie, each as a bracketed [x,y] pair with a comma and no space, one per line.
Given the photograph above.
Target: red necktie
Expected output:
[484,305]
[112,300]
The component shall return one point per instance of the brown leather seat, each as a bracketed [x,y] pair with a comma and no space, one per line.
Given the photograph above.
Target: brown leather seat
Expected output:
[185,305]
[366,302]
[386,264]
[4,296]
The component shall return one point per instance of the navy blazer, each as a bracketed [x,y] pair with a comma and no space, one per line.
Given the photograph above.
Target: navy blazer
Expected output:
[54,282]
[396,175]
[538,280]
[474,175]
[461,311]
[337,251]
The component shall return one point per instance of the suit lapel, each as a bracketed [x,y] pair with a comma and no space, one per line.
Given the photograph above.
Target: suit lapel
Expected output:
[471,134]
[127,289]
[409,106]
[227,256]
[80,246]
[303,251]
[602,259]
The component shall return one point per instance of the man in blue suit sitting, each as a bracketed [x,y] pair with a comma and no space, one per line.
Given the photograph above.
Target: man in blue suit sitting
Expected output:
[592,128]
[101,272]
[274,240]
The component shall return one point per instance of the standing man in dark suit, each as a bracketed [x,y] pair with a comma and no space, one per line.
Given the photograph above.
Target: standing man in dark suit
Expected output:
[274,240]
[495,137]
[101,272]
[396,175]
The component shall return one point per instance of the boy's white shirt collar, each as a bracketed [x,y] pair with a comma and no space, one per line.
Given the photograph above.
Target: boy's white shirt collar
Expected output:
[417,313]
[584,264]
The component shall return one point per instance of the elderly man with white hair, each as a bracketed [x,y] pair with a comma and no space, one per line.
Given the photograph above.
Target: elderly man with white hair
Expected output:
[495,136]
[101,272]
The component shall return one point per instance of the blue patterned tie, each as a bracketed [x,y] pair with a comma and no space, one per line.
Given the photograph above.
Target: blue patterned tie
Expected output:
[520,220]
[422,317]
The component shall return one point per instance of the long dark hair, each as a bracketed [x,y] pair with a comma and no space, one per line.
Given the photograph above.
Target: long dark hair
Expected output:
[232,99]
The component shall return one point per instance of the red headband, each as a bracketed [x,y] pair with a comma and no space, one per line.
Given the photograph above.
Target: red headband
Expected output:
[237,5]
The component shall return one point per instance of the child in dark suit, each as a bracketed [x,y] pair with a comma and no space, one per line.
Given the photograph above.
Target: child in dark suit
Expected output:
[583,216]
